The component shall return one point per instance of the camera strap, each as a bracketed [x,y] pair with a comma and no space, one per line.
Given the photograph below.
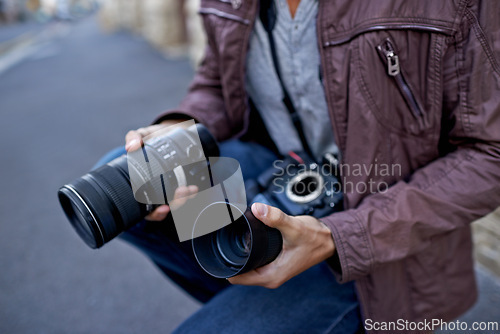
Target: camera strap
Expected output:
[268,18]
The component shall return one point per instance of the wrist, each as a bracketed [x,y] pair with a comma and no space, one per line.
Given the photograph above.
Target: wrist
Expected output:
[329,244]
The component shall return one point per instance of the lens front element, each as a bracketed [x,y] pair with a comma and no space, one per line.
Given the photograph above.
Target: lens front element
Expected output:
[240,246]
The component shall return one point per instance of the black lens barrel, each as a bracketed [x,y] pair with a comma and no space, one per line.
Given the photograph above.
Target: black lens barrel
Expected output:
[105,202]
[265,245]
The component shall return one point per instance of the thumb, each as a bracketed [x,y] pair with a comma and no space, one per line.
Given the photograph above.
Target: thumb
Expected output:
[271,216]
[133,140]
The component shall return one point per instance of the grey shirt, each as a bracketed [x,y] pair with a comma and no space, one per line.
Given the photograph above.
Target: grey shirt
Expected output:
[298,54]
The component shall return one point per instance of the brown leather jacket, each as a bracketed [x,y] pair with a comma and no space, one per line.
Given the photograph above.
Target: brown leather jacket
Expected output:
[438,119]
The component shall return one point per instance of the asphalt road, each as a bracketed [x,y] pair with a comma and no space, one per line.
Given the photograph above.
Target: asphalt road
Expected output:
[72,95]
[66,98]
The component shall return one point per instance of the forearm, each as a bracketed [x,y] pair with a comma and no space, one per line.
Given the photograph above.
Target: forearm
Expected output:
[445,195]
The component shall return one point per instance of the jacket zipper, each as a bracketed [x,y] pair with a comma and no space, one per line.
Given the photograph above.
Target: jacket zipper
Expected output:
[390,58]
[344,38]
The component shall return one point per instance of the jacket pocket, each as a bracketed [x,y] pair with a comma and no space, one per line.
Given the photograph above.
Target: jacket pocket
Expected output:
[389,55]
[398,75]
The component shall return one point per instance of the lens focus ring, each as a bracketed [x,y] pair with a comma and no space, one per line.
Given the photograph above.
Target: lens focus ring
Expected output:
[117,187]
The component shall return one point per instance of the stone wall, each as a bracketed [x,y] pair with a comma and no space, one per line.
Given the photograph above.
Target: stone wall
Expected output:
[487,241]
[9,11]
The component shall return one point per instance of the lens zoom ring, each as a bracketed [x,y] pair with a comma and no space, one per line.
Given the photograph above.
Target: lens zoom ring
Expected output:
[152,170]
[274,244]
[157,165]
[118,188]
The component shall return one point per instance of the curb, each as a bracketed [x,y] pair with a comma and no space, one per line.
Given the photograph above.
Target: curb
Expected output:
[11,44]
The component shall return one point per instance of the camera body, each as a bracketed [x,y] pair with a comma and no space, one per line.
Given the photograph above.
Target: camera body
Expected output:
[299,186]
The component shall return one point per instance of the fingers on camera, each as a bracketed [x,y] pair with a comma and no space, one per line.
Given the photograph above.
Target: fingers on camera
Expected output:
[133,140]
[182,194]
[159,213]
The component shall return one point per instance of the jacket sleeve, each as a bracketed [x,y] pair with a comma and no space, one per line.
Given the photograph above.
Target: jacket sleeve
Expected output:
[204,101]
[452,191]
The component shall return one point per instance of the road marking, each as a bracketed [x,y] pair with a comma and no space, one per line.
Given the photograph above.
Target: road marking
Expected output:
[17,55]
[28,47]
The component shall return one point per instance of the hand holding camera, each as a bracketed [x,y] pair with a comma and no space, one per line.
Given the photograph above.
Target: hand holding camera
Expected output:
[134,141]
[228,239]
[306,242]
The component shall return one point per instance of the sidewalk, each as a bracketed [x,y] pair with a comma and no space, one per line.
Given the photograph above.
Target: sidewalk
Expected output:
[13,34]
[21,40]
[10,31]
[70,97]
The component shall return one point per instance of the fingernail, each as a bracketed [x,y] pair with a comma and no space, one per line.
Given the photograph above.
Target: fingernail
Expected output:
[261,209]
[182,191]
[131,143]
[163,209]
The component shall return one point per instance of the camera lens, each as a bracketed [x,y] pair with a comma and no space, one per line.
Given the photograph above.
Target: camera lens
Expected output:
[242,245]
[233,244]
[79,216]
[101,204]
[243,242]
[75,214]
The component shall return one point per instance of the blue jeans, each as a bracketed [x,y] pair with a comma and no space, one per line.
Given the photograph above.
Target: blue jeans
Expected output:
[312,302]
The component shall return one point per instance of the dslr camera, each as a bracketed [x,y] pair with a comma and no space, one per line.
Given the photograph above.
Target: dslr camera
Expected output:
[105,202]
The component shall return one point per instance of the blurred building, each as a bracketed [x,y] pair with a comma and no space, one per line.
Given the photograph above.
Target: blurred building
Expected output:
[10,11]
[65,9]
[172,26]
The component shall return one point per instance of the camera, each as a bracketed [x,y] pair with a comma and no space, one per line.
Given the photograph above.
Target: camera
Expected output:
[300,186]
[105,202]
[114,197]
